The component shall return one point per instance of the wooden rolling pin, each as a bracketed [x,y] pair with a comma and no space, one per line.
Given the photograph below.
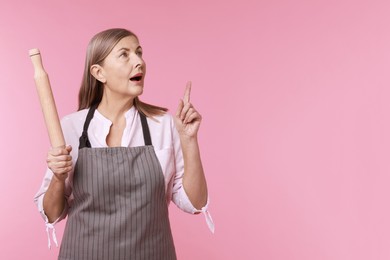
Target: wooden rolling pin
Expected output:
[46,98]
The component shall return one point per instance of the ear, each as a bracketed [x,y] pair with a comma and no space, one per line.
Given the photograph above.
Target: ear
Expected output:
[97,72]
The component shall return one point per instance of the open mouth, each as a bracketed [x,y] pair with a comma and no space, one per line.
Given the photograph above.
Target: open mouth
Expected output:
[137,77]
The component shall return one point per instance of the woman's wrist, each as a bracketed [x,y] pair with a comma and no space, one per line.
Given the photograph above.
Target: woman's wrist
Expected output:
[57,181]
[185,139]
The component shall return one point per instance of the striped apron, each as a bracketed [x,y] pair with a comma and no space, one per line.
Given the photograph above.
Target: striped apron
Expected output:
[119,209]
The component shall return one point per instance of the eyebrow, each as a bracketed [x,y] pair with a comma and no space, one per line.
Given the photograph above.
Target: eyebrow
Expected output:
[127,49]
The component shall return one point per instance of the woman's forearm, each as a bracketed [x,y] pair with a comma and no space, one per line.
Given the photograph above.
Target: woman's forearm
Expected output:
[54,199]
[194,181]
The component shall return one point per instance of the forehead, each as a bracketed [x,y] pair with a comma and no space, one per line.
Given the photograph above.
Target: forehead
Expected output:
[129,42]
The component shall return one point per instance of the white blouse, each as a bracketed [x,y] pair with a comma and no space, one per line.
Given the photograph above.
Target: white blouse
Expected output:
[166,143]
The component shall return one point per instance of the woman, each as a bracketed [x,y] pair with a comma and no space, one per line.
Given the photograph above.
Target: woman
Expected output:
[124,163]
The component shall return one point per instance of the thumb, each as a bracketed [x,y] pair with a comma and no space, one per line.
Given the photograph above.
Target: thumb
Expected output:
[68,148]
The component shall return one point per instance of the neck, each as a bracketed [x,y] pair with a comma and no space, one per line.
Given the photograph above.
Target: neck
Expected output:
[114,109]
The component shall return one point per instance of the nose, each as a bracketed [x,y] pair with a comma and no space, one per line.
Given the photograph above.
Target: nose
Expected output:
[139,65]
[139,62]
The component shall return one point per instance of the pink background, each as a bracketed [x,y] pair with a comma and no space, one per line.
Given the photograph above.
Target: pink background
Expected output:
[295,99]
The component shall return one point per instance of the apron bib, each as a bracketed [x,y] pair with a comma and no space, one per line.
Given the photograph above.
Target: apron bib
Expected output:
[119,209]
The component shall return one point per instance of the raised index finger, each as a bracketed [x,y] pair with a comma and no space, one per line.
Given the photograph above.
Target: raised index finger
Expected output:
[187,93]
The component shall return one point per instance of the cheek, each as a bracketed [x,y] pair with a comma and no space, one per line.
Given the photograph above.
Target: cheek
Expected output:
[119,74]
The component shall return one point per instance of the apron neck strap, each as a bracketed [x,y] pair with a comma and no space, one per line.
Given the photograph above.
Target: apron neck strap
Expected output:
[145,129]
[84,141]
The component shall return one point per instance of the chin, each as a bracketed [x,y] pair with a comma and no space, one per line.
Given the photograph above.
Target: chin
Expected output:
[140,93]
[137,91]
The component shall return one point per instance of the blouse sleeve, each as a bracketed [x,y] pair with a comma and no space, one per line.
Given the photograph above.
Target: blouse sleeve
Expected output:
[179,196]
[38,198]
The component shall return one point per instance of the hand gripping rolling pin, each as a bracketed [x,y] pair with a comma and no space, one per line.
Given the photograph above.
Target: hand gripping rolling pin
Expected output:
[47,100]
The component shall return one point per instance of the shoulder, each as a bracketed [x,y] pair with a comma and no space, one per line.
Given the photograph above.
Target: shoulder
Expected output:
[72,125]
[162,130]
[164,121]
[76,118]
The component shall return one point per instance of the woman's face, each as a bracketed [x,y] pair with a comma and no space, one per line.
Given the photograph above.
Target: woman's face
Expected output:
[124,69]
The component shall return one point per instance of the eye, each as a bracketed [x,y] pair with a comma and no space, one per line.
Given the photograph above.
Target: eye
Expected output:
[124,54]
[139,53]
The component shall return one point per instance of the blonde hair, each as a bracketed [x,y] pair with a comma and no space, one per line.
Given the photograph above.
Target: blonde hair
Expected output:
[91,90]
